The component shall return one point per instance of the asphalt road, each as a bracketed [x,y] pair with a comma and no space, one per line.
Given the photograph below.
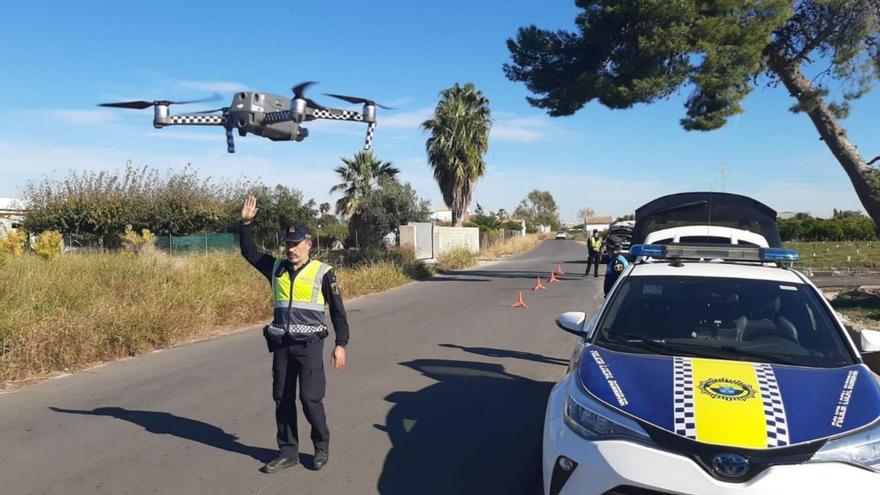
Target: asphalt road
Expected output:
[444,393]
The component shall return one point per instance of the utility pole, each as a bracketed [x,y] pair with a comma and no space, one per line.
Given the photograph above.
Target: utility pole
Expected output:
[723,175]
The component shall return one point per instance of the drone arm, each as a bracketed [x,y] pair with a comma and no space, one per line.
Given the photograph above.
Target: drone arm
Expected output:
[192,120]
[334,114]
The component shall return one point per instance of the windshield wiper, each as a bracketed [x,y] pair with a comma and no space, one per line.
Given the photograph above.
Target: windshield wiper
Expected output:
[779,358]
[733,351]
[639,342]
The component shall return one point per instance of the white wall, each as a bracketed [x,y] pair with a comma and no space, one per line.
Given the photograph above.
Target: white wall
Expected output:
[448,238]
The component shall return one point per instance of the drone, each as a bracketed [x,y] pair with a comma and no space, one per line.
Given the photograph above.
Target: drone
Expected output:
[264,114]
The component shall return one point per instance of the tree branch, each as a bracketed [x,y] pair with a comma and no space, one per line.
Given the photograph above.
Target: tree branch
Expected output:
[874,160]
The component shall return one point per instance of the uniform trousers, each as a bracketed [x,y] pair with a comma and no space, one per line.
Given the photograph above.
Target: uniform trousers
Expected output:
[303,362]
[593,259]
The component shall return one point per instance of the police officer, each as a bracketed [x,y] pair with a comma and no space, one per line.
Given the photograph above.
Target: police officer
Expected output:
[594,248]
[301,288]
[616,264]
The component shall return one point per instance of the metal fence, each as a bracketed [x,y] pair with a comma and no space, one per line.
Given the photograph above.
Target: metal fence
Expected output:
[199,243]
[489,239]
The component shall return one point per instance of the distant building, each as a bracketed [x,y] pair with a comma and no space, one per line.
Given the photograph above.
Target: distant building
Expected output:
[786,215]
[445,215]
[599,223]
[12,213]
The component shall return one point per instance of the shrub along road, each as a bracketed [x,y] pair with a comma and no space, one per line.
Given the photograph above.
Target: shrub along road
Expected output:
[444,393]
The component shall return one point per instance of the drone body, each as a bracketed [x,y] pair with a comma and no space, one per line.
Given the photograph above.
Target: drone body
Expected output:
[264,114]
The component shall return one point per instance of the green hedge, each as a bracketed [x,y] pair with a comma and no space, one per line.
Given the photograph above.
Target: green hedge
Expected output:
[853,228]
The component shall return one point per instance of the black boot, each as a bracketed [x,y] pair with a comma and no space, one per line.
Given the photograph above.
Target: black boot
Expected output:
[279,463]
[321,458]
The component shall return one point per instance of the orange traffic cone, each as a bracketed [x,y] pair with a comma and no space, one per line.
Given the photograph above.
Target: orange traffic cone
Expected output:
[559,270]
[552,278]
[519,303]
[539,286]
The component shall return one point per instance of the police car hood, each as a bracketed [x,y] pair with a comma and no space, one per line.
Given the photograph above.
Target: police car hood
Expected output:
[732,403]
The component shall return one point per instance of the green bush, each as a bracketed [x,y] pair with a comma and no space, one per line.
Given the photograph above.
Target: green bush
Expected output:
[843,228]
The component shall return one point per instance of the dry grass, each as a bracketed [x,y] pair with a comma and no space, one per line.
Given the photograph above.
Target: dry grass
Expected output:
[510,247]
[843,255]
[456,259]
[76,311]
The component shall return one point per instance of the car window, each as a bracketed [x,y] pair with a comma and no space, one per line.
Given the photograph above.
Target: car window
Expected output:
[727,318]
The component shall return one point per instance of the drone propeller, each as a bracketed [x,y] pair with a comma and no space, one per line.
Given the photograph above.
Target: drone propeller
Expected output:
[356,99]
[206,112]
[142,104]
[299,93]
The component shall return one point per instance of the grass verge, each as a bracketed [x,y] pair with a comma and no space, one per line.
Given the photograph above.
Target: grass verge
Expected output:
[456,259]
[77,311]
[860,306]
[844,255]
[510,247]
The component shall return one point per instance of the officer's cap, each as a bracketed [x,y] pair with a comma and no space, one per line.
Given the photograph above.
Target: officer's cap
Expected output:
[297,233]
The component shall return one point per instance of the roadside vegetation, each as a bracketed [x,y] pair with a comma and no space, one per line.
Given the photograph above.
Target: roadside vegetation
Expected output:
[72,312]
[860,306]
[856,256]
[510,247]
[456,259]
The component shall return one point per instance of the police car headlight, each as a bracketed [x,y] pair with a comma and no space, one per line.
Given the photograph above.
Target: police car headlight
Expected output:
[594,421]
[861,449]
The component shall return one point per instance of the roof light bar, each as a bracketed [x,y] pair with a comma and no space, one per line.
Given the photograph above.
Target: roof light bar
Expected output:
[725,252]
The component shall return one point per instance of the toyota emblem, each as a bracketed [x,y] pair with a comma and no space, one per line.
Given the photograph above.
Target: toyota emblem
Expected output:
[730,465]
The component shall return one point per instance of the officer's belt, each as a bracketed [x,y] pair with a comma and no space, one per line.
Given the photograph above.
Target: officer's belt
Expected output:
[296,329]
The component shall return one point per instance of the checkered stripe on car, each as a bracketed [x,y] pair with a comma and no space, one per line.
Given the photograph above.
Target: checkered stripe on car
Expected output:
[683,397]
[197,119]
[774,411]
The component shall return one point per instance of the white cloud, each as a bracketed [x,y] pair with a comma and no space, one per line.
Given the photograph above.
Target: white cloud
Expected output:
[405,120]
[219,135]
[527,129]
[86,117]
[215,86]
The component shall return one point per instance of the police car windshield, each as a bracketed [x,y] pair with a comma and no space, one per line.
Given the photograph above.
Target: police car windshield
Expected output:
[723,318]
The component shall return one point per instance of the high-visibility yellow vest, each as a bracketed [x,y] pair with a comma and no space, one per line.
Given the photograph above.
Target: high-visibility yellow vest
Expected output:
[596,244]
[299,307]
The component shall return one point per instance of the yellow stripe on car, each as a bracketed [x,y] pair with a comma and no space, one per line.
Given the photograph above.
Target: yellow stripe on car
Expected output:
[727,404]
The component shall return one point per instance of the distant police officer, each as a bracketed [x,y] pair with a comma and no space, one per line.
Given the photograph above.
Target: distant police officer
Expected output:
[616,264]
[301,288]
[594,248]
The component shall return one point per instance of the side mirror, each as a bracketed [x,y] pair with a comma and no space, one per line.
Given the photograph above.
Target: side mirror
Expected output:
[870,340]
[573,322]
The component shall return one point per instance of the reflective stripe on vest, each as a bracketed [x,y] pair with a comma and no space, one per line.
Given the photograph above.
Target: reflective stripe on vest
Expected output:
[302,305]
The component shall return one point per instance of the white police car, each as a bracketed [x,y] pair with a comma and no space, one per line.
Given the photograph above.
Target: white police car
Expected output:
[703,376]
[712,368]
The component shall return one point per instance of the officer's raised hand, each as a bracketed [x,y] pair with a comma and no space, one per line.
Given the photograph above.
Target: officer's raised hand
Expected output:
[249,210]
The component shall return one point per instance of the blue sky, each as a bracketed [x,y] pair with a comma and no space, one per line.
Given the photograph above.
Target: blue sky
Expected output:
[63,57]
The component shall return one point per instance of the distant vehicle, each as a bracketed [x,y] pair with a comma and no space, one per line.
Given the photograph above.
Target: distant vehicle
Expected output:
[713,367]
[561,235]
[621,232]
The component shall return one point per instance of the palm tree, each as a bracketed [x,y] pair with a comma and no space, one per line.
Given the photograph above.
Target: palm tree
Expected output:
[459,139]
[358,176]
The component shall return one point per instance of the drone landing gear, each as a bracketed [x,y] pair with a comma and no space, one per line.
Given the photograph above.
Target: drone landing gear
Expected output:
[230,141]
